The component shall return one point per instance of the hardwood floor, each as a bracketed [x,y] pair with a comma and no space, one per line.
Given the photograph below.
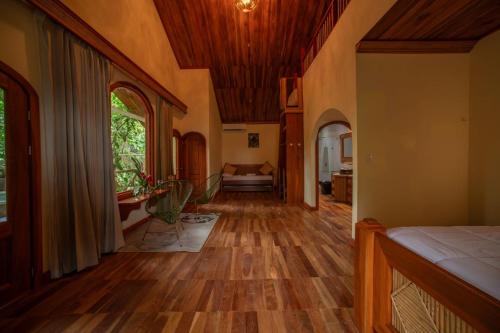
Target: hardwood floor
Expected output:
[265,268]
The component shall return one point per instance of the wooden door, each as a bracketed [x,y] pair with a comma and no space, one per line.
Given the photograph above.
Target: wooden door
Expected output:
[15,185]
[194,160]
[295,158]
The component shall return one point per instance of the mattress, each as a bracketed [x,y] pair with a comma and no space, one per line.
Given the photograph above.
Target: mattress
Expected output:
[471,253]
[248,178]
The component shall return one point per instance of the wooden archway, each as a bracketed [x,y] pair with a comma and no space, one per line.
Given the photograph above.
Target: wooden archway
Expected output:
[316,163]
[21,239]
[193,161]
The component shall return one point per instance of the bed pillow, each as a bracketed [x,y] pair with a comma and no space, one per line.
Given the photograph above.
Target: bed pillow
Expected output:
[266,169]
[230,169]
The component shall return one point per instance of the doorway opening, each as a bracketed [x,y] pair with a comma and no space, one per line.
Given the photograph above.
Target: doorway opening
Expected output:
[334,168]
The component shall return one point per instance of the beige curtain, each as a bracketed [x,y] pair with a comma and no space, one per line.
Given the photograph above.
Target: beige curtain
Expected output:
[164,133]
[80,208]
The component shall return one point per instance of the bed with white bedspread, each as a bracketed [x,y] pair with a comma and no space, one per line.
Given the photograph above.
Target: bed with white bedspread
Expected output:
[472,253]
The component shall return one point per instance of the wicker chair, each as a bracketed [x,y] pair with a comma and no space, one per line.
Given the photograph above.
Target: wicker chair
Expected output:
[167,201]
[206,192]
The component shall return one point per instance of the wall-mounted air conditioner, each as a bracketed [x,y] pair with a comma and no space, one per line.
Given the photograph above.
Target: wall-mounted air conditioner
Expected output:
[234,127]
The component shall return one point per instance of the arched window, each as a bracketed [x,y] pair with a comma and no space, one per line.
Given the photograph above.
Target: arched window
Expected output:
[131,135]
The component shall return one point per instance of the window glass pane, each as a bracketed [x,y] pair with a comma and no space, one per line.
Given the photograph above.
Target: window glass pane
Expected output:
[128,137]
[3,174]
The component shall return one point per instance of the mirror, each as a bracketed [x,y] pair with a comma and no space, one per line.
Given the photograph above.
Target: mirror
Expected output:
[346,148]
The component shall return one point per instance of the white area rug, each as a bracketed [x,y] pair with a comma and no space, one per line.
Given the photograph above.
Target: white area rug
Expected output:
[161,237]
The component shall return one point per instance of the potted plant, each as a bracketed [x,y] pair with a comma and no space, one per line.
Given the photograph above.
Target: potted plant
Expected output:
[144,183]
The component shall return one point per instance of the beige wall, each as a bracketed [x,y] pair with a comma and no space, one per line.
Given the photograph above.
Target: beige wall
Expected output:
[19,48]
[196,89]
[143,39]
[484,174]
[413,138]
[235,145]
[330,84]
[135,28]
[203,114]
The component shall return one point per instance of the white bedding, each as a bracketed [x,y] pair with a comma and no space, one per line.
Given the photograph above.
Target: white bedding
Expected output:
[248,177]
[471,253]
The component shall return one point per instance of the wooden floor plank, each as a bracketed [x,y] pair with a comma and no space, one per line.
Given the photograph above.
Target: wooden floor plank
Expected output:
[266,267]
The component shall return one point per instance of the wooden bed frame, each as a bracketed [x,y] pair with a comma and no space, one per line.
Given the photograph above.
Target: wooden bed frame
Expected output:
[376,257]
[247,185]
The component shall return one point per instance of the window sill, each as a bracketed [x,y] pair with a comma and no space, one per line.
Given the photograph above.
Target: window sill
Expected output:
[130,203]
[127,204]
[124,195]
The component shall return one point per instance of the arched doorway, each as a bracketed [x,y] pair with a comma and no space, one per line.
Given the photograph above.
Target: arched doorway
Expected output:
[20,225]
[329,155]
[193,162]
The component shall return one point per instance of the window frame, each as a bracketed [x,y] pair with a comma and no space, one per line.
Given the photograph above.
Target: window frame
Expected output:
[149,117]
[176,134]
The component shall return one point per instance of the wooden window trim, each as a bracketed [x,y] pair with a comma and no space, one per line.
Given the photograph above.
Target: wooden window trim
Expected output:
[36,175]
[124,195]
[150,126]
[177,135]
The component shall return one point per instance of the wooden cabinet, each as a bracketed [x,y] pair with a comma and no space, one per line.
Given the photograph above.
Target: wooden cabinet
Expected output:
[291,155]
[294,140]
[342,188]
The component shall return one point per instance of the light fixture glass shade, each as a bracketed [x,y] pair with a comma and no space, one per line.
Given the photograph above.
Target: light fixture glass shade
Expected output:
[246,6]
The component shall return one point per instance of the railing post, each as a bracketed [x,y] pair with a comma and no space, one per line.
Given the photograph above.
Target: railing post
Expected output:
[364,272]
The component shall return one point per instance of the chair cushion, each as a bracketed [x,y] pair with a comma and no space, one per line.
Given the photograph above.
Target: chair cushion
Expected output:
[230,169]
[266,169]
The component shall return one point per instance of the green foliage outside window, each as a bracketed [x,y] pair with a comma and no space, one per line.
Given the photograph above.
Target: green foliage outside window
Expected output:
[128,138]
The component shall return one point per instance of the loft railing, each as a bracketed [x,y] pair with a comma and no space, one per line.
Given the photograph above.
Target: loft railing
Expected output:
[327,23]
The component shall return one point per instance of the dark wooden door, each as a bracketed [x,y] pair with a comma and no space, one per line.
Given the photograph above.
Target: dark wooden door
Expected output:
[295,158]
[194,160]
[15,184]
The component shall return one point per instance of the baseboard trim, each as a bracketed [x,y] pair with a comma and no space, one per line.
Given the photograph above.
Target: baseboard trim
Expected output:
[308,207]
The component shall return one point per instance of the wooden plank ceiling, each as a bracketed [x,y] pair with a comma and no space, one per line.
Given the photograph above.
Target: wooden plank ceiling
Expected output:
[246,53]
[426,26]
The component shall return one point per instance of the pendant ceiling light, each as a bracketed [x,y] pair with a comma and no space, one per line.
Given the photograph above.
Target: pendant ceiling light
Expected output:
[246,6]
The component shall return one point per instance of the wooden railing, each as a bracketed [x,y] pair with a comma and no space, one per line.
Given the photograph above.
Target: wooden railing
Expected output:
[321,34]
